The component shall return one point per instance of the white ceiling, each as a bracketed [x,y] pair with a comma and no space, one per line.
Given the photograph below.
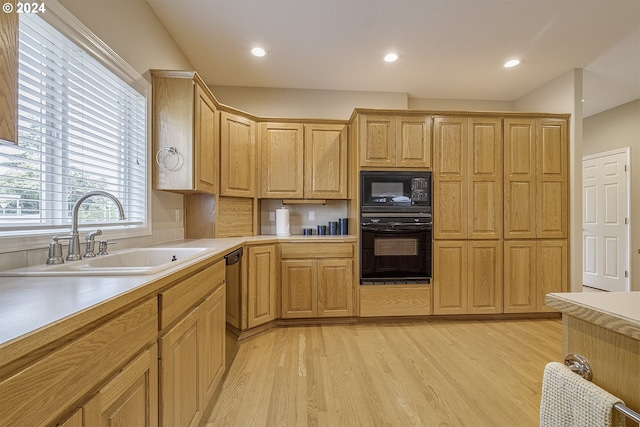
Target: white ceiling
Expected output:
[450,49]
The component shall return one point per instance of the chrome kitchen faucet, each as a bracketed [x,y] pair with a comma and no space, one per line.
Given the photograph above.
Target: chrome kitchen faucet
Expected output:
[74,242]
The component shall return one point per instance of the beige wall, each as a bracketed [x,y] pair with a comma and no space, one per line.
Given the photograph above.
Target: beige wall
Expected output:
[458,105]
[620,128]
[305,103]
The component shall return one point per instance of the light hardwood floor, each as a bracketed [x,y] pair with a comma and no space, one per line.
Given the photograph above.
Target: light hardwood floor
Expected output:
[435,373]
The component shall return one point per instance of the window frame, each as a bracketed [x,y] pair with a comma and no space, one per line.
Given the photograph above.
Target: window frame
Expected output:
[67,24]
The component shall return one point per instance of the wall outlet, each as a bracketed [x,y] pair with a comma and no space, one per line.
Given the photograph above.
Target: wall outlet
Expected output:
[312,216]
[272,216]
[177,212]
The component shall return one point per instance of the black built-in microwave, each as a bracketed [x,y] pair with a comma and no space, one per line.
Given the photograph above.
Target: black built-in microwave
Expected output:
[395,192]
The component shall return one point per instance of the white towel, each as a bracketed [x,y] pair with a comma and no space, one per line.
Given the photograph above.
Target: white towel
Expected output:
[568,400]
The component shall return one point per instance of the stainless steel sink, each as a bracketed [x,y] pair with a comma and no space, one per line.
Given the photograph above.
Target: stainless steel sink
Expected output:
[127,262]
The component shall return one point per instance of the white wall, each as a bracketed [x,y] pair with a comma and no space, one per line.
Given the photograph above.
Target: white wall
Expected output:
[619,128]
[564,95]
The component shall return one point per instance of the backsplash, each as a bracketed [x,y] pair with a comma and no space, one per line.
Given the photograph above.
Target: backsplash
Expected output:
[299,215]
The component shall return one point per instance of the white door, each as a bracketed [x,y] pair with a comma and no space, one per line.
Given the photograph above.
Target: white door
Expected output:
[605,213]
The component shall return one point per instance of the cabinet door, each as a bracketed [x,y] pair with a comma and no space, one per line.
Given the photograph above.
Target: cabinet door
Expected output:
[237,156]
[413,142]
[281,152]
[206,143]
[299,290]
[450,178]
[261,285]
[335,287]
[520,271]
[450,277]
[377,141]
[485,277]
[9,80]
[552,273]
[519,179]
[551,179]
[75,420]
[214,323]
[485,178]
[325,167]
[129,399]
[182,373]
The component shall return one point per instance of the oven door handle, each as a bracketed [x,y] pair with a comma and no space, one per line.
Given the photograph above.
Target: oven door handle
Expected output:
[398,227]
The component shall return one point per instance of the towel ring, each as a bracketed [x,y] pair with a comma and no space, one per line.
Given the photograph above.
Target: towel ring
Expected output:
[579,365]
[171,152]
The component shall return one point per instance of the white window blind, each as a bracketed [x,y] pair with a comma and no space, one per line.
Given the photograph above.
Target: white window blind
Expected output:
[80,128]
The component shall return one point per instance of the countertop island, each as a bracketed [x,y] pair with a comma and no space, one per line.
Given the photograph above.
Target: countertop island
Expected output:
[604,327]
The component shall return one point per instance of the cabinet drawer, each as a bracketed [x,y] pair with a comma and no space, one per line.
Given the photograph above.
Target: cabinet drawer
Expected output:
[316,250]
[395,300]
[42,392]
[176,300]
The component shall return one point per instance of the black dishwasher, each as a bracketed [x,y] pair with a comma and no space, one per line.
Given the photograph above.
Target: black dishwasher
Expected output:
[233,277]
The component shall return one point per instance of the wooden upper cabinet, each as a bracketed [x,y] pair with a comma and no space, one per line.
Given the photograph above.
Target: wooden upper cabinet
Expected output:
[237,156]
[519,179]
[552,179]
[206,143]
[185,134]
[377,141]
[325,161]
[450,192]
[9,80]
[395,141]
[282,160]
[536,178]
[467,177]
[413,142]
[485,155]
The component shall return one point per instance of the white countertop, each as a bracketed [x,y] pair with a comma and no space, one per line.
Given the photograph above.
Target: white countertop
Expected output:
[31,304]
[617,311]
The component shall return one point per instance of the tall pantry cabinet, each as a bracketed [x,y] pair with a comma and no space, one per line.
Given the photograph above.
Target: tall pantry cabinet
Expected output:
[467,200]
[536,211]
[500,213]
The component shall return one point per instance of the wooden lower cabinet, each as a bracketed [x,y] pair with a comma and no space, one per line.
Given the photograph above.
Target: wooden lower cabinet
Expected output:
[214,314]
[317,288]
[129,399]
[54,386]
[533,268]
[317,280]
[261,284]
[467,277]
[182,373]
[192,348]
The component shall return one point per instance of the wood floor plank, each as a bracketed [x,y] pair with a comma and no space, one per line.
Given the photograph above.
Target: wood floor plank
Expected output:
[433,373]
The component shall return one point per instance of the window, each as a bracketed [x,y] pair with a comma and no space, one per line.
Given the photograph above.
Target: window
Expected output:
[81,127]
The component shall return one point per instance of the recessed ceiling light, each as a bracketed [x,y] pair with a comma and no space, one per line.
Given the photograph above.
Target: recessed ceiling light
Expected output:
[511,63]
[391,57]
[258,51]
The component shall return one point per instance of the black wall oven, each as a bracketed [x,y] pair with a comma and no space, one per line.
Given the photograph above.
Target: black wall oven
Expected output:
[396,233]
[395,250]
